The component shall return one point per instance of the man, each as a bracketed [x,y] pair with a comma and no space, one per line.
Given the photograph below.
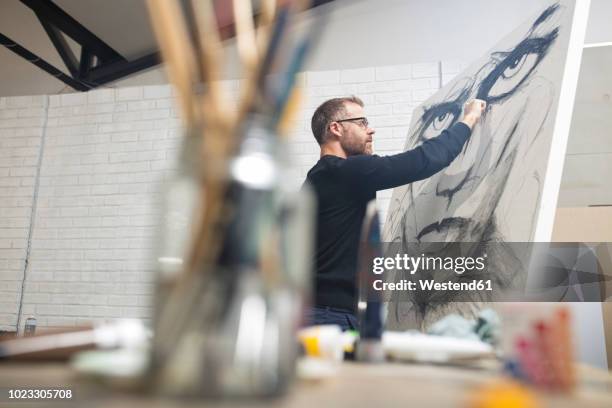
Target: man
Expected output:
[346,178]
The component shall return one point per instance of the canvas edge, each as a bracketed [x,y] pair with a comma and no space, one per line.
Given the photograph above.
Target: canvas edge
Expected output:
[561,128]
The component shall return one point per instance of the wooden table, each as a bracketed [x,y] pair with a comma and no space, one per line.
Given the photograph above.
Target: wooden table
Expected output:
[355,385]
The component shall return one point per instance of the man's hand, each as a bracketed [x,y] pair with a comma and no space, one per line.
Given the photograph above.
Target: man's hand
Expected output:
[472,110]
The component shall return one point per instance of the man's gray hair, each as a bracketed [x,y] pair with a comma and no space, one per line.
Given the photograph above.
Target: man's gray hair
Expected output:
[328,112]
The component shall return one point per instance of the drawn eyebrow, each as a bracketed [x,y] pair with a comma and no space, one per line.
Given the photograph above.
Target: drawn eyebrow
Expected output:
[440,110]
[505,60]
[544,16]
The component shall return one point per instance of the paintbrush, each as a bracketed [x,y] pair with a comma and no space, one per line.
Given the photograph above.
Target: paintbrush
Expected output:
[266,17]
[219,141]
[255,69]
[169,28]
[296,62]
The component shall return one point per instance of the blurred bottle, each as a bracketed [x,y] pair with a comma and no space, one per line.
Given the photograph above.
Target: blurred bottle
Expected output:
[29,328]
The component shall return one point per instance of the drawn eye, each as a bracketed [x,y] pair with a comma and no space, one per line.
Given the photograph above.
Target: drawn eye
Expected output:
[442,121]
[437,118]
[514,68]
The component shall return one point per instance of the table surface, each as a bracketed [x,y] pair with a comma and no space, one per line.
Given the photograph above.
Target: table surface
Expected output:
[355,385]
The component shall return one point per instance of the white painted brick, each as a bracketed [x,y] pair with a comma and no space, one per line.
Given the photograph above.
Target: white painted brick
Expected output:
[65,299]
[10,275]
[100,108]
[86,222]
[359,75]
[422,95]
[453,67]
[93,299]
[122,300]
[137,156]
[403,108]
[373,87]
[9,114]
[66,276]
[153,135]
[48,309]
[425,70]
[105,311]
[393,72]
[322,78]
[157,92]
[165,104]
[140,105]
[19,101]
[104,189]
[136,312]
[147,301]
[418,83]
[60,322]
[394,120]
[94,158]
[74,99]
[38,101]
[156,114]
[10,297]
[101,118]
[9,307]
[377,110]
[100,96]
[394,97]
[76,310]
[128,94]
[115,221]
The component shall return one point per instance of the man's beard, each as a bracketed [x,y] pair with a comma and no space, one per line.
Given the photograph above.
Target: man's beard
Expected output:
[355,149]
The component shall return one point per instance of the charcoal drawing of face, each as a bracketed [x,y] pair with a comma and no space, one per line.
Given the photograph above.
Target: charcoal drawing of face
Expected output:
[490,193]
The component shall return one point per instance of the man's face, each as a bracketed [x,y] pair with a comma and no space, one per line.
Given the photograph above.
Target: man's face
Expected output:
[355,138]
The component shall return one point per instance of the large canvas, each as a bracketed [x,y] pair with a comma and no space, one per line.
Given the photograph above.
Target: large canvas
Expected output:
[494,190]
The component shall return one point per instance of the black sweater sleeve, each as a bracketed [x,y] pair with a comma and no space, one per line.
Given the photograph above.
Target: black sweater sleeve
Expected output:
[372,173]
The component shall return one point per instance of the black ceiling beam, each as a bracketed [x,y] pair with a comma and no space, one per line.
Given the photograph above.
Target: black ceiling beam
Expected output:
[85,63]
[109,72]
[62,47]
[48,11]
[42,64]
[98,64]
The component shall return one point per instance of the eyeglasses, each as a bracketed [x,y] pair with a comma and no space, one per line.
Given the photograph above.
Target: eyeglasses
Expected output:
[363,122]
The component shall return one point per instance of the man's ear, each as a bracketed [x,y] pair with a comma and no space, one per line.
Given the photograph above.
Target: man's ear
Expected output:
[335,129]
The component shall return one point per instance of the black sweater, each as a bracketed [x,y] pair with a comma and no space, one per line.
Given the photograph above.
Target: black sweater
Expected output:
[343,188]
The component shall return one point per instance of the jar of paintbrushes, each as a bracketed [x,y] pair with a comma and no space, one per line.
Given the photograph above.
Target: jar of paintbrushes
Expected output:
[228,307]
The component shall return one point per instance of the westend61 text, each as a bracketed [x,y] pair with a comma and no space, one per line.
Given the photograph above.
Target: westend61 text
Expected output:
[431,284]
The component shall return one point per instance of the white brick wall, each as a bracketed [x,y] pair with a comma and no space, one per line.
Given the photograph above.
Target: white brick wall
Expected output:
[105,154]
[21,126]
